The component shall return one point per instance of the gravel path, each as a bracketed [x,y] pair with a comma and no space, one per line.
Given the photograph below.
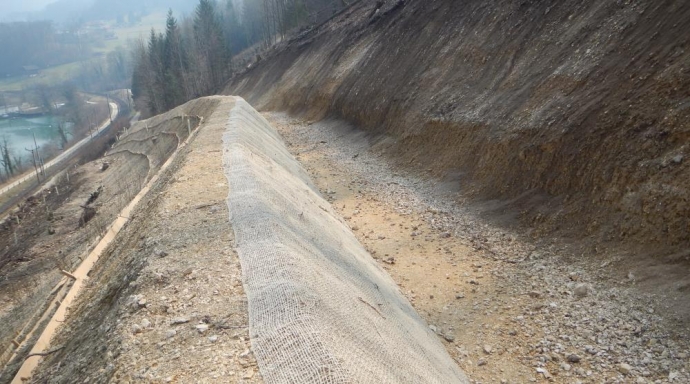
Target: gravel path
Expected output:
[509,310]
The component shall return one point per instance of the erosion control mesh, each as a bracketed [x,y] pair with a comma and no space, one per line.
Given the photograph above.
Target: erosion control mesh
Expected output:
[320,309]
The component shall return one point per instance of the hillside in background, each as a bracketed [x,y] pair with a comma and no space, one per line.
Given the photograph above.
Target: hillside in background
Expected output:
[571,116]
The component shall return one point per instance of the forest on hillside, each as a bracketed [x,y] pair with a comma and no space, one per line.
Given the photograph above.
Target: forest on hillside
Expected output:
[193,57]
[28,46]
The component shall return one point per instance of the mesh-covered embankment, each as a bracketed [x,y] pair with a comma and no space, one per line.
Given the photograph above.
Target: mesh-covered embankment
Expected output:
[321,310]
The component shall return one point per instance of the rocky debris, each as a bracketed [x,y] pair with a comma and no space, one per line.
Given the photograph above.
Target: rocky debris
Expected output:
[170,333]
[581,290]
[202,328]
[624,368]
[487,349]
[449,337]
[573,359]
[548,307]
[180,320]
[160,253]
[544,372]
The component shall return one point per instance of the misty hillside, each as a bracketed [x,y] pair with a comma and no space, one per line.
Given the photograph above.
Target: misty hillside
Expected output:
[65,11]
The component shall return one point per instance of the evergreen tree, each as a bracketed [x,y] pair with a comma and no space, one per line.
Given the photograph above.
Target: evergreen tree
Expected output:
[174,64]
[211,44]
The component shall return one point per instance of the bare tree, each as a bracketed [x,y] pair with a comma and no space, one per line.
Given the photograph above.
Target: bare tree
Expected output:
[6,158]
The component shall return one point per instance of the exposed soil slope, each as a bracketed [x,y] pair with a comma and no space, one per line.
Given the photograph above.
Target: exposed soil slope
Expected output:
[167,302]
[48,236]
[575,113]
[507,311]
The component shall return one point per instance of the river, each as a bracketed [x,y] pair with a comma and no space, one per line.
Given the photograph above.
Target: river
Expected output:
[18,132]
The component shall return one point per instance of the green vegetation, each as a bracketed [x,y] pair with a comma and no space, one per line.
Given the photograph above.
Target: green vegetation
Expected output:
[193,59]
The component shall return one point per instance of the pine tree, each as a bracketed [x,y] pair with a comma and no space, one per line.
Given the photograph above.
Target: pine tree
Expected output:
[211,44]
[174,64]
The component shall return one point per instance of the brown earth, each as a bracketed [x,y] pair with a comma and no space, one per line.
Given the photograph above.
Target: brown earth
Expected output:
[507,309]
[568,117]
[50,238]
[164,302]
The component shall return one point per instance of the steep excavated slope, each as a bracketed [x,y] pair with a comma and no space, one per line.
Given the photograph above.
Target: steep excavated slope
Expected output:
[577,110]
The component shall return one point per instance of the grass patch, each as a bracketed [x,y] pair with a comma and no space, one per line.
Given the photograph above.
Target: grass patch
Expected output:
[133,32]
[49,76]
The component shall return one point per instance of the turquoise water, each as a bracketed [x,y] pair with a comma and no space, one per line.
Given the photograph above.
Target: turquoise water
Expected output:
[18,132]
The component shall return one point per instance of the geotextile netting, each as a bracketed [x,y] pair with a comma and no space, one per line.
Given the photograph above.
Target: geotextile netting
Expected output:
[320,309]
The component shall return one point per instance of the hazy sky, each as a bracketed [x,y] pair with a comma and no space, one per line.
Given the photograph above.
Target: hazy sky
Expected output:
[9,6]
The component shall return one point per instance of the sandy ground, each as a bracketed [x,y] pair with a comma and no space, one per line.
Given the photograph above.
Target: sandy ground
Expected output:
[507,311]
[188,317]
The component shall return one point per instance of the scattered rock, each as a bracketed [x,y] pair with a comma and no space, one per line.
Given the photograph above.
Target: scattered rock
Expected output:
[180,320]
[445,235]
[202,328]
[136,328]
[573,359]
[170,333]
[481,362]
[581,290]
[390,260]
[624,368]
[449,338]
[145,323]
[544,372]
[160,253]
[213,338]
[487,349]
[433,328]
